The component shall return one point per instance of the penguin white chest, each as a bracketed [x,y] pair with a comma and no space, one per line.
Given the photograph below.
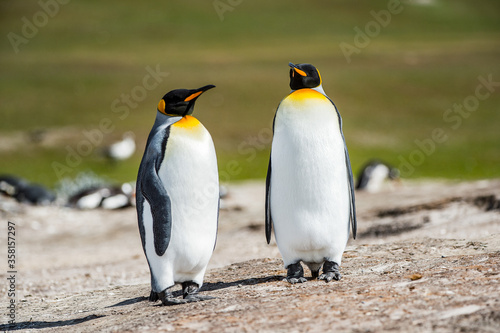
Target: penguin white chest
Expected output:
[309,193]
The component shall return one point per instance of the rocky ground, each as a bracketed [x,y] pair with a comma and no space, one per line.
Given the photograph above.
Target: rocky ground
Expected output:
[427,258]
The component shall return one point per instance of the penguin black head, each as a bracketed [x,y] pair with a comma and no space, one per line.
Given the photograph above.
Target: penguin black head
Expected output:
[180,102]
[304,76]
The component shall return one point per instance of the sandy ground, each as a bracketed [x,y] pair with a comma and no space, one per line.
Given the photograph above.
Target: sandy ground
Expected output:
[427,258]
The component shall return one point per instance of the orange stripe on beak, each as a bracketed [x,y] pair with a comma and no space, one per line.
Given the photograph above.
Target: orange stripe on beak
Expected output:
[193,96]
[299,71]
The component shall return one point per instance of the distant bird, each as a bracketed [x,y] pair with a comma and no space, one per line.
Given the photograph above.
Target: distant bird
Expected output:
[309,185]
[37,135]
[104,196]
[26,192]
[178,198]
[124,197]
[122,149]
[373,174]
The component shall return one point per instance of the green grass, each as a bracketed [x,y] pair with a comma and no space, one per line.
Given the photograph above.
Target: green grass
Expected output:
[395,91]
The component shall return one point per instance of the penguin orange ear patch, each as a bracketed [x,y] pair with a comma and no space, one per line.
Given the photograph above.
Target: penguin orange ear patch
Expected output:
[193,96]
[161,106]
[299,71]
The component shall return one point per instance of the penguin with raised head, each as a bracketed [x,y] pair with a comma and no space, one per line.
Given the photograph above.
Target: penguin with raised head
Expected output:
[309,185]
[177,198]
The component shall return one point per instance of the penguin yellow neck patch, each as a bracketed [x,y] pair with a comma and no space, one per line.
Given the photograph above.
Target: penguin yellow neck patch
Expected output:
[302,94]
[187,122]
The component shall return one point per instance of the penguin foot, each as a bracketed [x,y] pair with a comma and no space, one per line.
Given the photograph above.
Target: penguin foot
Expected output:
[329,276]
[167,298]
[190,292]
[295,280]
[295,273]
[153,297]
[331,271]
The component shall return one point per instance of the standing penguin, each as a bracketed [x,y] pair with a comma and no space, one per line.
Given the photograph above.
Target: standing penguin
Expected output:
[309,185]
[178,198]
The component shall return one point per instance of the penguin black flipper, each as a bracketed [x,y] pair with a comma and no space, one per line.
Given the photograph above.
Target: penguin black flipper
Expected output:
[354,223]
[352,214]
[269,220]
[155,194]
[151,189]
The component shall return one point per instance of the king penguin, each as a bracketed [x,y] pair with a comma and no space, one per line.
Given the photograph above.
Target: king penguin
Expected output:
[309,185]
[178,198]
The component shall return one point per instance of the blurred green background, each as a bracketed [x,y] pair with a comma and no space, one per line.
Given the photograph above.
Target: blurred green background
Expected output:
[74,69]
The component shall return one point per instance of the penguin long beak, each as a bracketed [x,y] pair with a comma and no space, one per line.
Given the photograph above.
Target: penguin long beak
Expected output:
[193,96]
[198,92]
[207,87]
[297,70]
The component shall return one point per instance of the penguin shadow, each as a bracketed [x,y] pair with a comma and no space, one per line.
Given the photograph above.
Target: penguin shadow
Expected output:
[47,324]
[210,286]
[129,301]
[176,294]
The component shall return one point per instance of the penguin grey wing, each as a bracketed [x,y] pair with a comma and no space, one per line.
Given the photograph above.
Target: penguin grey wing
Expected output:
[352,213]
[153,191]
[269,220]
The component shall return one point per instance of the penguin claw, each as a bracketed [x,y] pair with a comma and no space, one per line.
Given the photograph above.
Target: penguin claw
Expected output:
[329,276]
[198,298]
[173,301]
[295,273]
[294,280]
[330,272]
[188,299]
